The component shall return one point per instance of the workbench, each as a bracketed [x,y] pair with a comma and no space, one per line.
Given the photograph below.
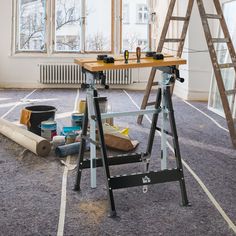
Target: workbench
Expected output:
[94,70]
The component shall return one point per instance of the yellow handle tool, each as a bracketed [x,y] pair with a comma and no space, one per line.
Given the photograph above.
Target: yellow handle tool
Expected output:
[126,56]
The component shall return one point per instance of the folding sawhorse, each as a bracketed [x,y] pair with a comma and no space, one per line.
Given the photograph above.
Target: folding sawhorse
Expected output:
[163,104]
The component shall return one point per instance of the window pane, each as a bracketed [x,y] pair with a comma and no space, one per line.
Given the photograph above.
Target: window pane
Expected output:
[98,25]
[67,25]
[31,25]
[136,33]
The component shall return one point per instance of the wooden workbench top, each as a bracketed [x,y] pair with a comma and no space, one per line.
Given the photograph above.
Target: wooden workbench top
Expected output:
[132,56]
[95,66]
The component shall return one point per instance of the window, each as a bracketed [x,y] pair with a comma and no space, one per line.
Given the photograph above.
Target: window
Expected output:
[137,32]
[63,26]
[31,25]
[80,26]
[142,14]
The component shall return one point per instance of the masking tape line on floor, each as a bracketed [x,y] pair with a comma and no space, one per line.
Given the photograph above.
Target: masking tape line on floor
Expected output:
[17,104]
[207,192]
[213,120]
[61,223]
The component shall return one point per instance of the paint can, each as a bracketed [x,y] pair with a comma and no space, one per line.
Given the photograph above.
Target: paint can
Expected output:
[48,129]
[77,119]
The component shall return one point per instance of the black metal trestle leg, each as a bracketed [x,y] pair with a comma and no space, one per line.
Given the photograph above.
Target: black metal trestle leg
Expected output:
[82,150]
[167,96]
[104,157]
[137,179]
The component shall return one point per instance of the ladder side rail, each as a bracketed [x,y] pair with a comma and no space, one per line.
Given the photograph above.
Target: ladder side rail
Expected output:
[185,28]
[166,25]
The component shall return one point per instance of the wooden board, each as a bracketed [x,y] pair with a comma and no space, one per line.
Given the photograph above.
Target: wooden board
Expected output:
[147,62]
[132,56]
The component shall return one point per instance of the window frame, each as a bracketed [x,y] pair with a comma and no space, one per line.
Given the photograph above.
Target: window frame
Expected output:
[50,33]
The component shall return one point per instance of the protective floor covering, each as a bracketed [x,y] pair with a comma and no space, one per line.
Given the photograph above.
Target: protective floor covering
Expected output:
[30,187]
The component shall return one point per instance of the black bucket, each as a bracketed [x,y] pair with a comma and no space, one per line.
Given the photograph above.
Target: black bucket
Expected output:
[38,114]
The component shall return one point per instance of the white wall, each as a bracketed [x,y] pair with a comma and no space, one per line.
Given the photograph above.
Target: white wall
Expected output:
[16,71]
[198,71]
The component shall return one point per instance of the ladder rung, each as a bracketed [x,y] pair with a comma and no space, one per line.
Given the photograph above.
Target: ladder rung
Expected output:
[179,18]
[151,103]
[226,65]
[213,16]
[230,92]
[155,83]
[220,40]
[173,40]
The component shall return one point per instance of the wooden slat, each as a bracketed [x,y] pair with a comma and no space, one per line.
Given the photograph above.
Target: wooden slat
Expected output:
[220,40]
[179,18]
[168,40]
[230,92]
[213,16]
[226,65]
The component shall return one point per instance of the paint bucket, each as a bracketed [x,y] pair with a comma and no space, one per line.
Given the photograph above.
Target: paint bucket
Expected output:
[38,114]
[77,119]
[48,129]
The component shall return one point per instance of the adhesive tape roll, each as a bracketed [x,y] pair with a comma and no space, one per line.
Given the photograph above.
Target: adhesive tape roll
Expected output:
[81,106]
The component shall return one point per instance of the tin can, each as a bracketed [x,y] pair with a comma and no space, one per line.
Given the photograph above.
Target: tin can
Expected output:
[48,129]
[77,119]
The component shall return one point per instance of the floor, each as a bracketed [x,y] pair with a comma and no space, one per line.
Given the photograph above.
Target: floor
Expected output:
[37,197]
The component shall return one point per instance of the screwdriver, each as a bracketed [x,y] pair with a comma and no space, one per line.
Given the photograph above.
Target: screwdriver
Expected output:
[126,56]
[138,54]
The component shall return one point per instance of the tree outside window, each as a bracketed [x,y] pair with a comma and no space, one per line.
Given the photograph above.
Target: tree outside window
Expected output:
[67,25]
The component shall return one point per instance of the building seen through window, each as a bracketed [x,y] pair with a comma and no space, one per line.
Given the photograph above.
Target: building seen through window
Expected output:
[136,32]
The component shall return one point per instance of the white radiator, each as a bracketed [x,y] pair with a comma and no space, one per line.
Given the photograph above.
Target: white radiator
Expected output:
[72,74]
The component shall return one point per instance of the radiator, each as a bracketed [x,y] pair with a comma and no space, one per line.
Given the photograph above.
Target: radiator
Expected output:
[72,74]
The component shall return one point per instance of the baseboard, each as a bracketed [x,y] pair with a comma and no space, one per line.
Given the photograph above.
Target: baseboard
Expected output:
[191,95]
[134,86]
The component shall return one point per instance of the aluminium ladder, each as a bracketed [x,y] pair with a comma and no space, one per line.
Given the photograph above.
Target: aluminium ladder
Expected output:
[210,42]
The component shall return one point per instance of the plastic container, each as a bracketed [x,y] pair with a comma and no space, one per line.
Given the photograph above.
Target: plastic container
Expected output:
[39,114]
[48,129]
